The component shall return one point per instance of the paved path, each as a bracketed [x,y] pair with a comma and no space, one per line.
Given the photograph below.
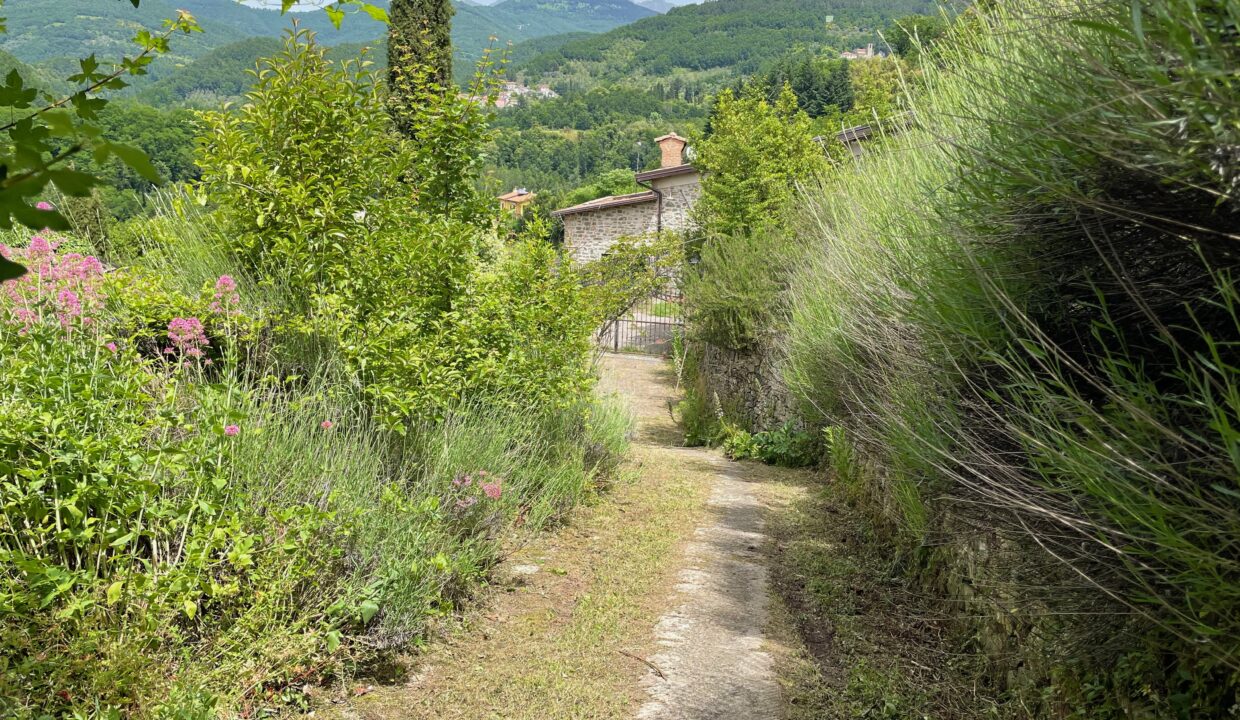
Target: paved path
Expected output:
[712,660]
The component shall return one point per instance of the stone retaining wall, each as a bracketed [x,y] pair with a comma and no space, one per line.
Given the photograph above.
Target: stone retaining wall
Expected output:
[749,386]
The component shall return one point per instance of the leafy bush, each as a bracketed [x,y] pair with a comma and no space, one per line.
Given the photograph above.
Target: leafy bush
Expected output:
[734,296]
[203,504]
[785,446]
[753,155]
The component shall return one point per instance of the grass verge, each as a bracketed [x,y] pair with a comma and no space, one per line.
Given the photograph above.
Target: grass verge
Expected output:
[854,639]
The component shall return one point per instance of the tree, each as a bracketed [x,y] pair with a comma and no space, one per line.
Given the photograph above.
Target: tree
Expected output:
[46,133]
[912,35]
[751,162]
[419,37]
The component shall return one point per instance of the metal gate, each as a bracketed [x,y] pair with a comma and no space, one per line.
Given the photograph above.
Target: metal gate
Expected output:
[649,326]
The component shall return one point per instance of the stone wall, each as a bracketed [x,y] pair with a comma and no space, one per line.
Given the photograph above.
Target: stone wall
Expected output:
[680,194]
[749,386]
[588,235]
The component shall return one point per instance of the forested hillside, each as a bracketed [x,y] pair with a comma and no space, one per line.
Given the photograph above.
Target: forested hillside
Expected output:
[720,39]
[49,32]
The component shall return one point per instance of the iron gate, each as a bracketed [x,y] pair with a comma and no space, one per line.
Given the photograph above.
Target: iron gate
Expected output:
[649,326]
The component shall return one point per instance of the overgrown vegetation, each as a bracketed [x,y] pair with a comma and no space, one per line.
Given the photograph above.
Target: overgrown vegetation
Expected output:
[1017,312]
[274,431]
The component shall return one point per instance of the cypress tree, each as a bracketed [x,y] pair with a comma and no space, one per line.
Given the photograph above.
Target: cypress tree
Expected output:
[420,35]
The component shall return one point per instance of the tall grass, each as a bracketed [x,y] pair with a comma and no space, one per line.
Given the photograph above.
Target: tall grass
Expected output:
[1022,311]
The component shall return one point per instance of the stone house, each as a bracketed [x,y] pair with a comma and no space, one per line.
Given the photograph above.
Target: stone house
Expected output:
[591,228]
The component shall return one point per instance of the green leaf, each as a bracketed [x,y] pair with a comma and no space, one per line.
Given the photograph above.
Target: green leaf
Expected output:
[375,12]
[368,609]
[335,14]
[122,540]
[74,183]
[10,270]
[114,592]
[191,609]
[333,641]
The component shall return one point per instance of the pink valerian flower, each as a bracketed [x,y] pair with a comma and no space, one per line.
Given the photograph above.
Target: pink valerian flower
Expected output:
[70,285]
[327,424]
[462,481]
[226,298]
[232,430]
[111,347]
[188,337]
[493,490]
[44,206]
[40,245]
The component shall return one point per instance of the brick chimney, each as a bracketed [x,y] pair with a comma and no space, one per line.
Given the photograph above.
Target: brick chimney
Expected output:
[673,149]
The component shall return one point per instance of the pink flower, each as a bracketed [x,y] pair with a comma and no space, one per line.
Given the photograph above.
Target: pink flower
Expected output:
[39,244]
[232,430]
[466,503]
[462,481]
[188,336]
[492,490]
[326,424]
[70,302]
[44,206]
[111,347]
[226,297]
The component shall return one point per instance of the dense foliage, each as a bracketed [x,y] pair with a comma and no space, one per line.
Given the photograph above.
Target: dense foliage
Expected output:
[294,424]
[419,36]
[1016,315]
[725,38]
[752,159]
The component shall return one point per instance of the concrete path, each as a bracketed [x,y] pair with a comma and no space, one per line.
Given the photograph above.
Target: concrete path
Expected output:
[712,660]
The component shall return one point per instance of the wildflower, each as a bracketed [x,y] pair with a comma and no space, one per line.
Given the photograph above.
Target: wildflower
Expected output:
[326,424]
[44,205]
[466,503]
[493,490]
[226,297]
[188,336]
[232,430]
[70,302]
[39,245]
[111,347]
[462,480]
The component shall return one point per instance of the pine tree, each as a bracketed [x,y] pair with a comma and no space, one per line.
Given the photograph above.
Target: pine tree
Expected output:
[419,46]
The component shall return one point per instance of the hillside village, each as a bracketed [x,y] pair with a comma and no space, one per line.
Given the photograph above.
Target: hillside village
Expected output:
[672,360]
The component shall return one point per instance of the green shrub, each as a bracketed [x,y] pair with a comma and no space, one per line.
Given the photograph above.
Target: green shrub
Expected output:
[785,446]
[734,294]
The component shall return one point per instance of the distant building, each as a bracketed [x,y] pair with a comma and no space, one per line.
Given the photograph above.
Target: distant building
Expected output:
[866,53]
[510,94]
[854,137]
[591,228]
[516,201]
